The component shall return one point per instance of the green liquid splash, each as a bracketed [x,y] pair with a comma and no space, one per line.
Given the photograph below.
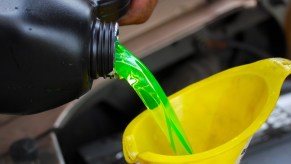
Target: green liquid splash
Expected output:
[146,86]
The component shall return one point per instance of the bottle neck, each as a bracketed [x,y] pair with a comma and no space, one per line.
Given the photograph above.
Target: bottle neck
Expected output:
[102,49]
[110,10]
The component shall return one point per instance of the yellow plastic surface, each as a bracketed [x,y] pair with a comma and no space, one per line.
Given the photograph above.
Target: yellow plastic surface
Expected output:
[219,115]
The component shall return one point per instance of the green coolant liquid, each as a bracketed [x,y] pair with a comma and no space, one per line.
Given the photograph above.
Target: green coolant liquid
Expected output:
[131,69]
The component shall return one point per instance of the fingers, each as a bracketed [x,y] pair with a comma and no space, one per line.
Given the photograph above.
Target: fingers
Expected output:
[139,12]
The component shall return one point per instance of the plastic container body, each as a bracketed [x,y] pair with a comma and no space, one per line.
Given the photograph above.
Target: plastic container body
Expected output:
[51,50]
[219,115]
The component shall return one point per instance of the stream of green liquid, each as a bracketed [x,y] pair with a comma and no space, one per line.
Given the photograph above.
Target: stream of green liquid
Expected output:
[131,69]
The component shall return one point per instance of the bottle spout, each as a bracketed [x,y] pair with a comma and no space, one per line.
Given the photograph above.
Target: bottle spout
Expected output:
[102,49]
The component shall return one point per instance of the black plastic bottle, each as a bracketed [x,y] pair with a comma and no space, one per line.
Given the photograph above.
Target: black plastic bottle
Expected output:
[52,50]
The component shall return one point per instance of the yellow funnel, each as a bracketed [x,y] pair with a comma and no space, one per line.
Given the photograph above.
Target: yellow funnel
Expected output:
[219,115]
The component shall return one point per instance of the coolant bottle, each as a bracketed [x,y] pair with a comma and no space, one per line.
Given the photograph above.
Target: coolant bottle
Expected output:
[52,50]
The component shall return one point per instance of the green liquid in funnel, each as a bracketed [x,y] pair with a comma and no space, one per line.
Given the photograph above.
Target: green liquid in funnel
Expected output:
[146,86]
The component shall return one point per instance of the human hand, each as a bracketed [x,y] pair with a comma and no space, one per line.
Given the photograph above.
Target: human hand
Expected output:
[138,12]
